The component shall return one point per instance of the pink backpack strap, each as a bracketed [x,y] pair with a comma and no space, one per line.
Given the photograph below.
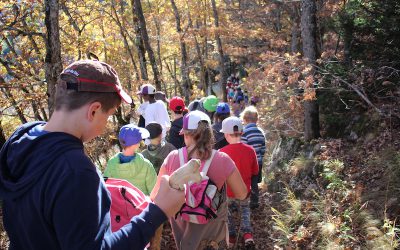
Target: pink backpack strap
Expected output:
[205,167]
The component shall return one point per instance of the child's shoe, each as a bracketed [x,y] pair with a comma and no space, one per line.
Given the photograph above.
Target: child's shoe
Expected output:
[248,241]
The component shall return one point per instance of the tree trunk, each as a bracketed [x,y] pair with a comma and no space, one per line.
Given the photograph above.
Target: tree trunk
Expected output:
[124,36]
[53,65]
[347,23]
[309,30]
[295,17]
[158,33]
[184,68]
[199,54]
[224,76]
[308,34]
[146,42]
[2,136]
[18,110]
[139,44]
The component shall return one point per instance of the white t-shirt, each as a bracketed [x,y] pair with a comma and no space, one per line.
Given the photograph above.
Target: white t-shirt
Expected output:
[142,108]
[157,112]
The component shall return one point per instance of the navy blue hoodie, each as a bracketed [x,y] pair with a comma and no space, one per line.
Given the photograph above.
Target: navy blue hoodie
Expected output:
[54,197]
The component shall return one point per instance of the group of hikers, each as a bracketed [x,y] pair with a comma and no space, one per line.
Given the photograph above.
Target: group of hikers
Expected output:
[54,197]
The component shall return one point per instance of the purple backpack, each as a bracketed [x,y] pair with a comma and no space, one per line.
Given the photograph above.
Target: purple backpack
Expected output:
[202,199]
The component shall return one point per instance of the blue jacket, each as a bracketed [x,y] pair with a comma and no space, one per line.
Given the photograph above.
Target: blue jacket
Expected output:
[54,197]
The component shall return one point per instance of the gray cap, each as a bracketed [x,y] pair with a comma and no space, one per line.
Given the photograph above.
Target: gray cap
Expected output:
[232,125]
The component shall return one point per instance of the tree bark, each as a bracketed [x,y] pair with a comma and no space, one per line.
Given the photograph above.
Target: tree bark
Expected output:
[146,42]
[223,73]
[295,17]
[53,65]
[2,136]
[184,58]
[308,34]
[139,44]
[199,55]
[347,23]
[124,36]
[157,24]
[18,110]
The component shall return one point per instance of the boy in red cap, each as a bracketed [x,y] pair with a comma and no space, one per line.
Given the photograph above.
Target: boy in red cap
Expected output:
[177,106]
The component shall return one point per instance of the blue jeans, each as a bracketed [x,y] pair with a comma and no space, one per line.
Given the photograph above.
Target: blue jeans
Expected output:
[243,208]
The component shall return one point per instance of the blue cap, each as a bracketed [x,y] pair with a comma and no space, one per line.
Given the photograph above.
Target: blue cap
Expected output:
[223,108]
[131,134]
[239,98]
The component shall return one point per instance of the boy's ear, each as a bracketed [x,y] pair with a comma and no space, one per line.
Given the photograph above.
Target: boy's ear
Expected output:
[93,108]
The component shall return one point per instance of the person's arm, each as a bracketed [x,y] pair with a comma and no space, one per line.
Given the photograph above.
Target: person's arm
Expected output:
[81,216]
[79,212]
[156,187]
[236,184]
[164,117]
[254,165]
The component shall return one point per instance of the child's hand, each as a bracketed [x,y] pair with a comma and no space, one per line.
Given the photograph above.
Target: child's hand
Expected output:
[168,199]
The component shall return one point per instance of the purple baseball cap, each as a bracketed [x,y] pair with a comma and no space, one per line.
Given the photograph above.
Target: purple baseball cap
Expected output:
[147,89]
[191,120]
[131,134]
[223,108]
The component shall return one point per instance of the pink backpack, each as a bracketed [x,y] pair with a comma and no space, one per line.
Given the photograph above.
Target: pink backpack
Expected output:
[203,199]
[126,202]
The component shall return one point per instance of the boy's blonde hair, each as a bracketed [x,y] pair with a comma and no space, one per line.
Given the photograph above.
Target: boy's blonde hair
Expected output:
[249,114]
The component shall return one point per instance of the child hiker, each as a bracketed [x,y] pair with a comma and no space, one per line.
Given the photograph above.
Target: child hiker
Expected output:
[177,106]
[246,161]
[157,149]
[155,110]
[254,136]
[129,164]
[221,113]
[53,196]
[199,139]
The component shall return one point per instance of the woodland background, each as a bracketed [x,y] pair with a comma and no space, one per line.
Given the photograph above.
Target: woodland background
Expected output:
[327,73]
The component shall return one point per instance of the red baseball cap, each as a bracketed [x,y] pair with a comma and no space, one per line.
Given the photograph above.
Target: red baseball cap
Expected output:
[176,103]
[93,76]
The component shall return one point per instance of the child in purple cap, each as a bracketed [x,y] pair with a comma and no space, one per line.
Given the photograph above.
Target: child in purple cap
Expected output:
[222,171]
[129,164]
[155,110]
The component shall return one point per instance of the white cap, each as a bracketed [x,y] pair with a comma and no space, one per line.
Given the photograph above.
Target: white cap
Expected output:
[191,120]
[147,89]
[232,125]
